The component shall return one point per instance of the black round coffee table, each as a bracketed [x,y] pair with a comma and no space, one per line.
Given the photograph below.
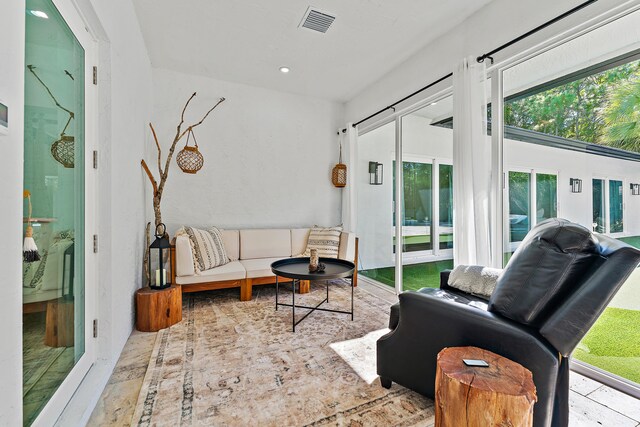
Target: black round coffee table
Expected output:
[298,269]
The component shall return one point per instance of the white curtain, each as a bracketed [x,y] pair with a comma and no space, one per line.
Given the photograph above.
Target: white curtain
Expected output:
[471,165]
[349,158]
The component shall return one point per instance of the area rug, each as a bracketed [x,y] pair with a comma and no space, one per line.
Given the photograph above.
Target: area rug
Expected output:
[233,363]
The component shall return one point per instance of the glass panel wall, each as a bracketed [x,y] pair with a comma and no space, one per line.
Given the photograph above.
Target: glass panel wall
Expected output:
[616,220]
[566,110]
[546,196]
[598,203]
[427,144]
[445,206]
[52,284]
[376,204]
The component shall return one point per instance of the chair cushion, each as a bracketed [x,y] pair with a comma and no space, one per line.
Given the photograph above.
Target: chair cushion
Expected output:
[325,240]
[208,248]
[544,270]
[259,267]
[230,271]
[267,243]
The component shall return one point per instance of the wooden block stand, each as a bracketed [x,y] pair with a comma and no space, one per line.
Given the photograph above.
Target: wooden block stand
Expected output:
[158,309]
[59,324]
[501,395]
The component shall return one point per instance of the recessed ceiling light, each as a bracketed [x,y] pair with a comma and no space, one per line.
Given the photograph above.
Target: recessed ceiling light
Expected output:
[434,103]
[285,69]
[39,14]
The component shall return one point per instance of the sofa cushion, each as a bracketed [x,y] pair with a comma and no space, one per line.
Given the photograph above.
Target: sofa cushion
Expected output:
[550,261]
[299,238]
[231,239]
[259,267]
[265,243]
[326,240]
[230,271]
[184,256]
[208,248]
[347,248]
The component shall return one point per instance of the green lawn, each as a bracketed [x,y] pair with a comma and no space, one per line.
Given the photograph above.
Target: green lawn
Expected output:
[414,277]
[613,343]
[633,241]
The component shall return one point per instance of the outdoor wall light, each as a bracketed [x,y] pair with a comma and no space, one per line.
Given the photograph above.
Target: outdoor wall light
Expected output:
[635,189]
[375,173]
[576,185]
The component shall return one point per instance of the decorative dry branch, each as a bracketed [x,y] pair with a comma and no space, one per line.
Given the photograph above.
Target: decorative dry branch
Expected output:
[158,186]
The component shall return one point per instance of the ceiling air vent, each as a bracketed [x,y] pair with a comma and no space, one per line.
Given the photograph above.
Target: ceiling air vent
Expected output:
[317,20]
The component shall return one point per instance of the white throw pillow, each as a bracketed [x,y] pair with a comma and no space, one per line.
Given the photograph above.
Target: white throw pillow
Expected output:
[474,279]
[326,240]
[208,248]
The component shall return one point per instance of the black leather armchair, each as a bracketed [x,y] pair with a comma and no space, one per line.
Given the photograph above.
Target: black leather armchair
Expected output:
[550,293]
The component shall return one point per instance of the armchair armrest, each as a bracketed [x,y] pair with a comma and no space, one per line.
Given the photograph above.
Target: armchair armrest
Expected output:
[431,320]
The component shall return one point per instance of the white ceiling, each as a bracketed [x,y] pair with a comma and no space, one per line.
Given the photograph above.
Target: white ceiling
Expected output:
[247,41]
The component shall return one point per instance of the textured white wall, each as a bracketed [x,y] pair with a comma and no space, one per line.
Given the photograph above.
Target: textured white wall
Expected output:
[268,155]
[12,93]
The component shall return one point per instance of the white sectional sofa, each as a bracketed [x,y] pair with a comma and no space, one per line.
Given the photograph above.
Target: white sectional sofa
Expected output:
[251,253]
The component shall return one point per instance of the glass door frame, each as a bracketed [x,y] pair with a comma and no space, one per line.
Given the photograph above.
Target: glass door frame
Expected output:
[500,234]
[59,400]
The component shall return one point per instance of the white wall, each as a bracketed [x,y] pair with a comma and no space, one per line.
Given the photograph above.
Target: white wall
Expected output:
[12,93]
[125,104]
[268,155]
[419,138]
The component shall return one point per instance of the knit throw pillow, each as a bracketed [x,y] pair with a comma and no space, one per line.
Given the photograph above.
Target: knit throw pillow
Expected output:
[474,279]
[325,240]
[208,248]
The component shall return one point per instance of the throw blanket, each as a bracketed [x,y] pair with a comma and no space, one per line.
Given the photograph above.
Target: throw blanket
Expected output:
[474,279]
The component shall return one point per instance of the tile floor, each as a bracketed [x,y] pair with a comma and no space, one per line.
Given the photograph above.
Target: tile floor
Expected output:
[591,403]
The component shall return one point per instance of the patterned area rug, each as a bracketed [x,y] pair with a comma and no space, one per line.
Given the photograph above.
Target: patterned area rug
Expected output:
[238,363]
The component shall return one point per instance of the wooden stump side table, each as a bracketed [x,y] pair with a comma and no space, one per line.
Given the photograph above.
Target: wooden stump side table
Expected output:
[502,394]
[158,308]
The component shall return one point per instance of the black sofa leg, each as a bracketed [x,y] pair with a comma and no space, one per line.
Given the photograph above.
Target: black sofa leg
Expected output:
[385,382]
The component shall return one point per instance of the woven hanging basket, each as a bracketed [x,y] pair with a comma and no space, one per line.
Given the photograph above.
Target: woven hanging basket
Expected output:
[63,150]
[339,173]
[189,159]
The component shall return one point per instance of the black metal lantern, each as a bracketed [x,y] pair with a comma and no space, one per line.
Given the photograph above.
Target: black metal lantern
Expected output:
[375,173]
[635,189]
[576,185]
[159,253]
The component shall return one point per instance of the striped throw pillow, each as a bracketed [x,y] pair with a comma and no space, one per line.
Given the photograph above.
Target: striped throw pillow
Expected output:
[208,248]
[325,240]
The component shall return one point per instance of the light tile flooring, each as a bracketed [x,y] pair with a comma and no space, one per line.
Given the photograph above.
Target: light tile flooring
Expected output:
[591,403]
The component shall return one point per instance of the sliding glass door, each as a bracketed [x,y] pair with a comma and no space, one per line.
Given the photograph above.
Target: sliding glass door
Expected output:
[417,203]
[59,209]
[569,151]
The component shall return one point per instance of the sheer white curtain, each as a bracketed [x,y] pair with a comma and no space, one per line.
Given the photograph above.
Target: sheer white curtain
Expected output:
[471,165]
[349,141]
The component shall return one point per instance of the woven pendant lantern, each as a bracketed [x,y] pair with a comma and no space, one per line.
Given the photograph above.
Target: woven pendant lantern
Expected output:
[339,173]
[63,150]
[189,159]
